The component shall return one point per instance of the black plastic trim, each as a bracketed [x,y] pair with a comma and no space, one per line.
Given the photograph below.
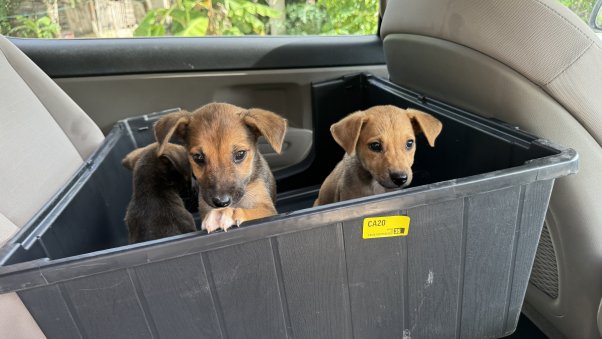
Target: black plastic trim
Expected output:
[97,57]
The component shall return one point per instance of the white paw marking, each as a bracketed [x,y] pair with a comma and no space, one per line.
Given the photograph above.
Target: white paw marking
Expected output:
[221,218]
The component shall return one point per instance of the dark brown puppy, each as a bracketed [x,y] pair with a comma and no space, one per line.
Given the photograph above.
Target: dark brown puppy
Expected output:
[156,209]
[380,146]
[234,179]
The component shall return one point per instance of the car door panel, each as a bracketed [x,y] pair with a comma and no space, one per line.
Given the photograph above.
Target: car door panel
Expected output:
[107,99]
[92,57]
[112,79]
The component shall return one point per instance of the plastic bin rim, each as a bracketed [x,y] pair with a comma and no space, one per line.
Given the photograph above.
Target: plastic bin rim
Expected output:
[43,272]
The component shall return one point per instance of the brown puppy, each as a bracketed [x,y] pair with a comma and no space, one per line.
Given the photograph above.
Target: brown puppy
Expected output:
[234,179]
[156,209]
[379,145]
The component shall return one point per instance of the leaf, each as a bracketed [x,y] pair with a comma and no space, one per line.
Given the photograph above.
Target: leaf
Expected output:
[233,31]
[178,15]
[196,27]
[267,11]
[233,5]
[150,26]
[157,30]
[258,26]
[44,21]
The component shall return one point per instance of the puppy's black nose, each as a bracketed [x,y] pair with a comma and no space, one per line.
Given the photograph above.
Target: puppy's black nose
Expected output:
[399,178]
[222,201]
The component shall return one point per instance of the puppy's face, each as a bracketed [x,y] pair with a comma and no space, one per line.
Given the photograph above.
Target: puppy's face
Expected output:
[221,142]
[386,147]
[222,152]
[384,140]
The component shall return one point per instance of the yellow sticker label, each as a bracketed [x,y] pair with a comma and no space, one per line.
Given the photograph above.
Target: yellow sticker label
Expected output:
[384,227]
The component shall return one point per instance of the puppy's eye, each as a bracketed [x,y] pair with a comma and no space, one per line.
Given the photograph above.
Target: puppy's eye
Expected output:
[375,147]
[409,144]
[199,158]
[239,156]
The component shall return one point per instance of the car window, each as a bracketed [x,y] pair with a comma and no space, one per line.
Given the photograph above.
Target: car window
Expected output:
[144,18]
[590,11]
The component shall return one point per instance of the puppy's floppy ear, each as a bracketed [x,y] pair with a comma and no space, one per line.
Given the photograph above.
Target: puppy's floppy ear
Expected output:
[270,125]
[425,123]
[132,158]
[346,132]
[177,157]
[169,124]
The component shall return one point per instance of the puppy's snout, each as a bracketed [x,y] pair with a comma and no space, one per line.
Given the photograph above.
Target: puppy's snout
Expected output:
[398,178]
[222,201]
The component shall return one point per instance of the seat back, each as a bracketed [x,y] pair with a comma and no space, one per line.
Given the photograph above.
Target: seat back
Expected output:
[534,64]
[44,138]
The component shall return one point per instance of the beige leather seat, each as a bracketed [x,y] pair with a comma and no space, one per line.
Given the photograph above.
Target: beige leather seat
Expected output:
[44,138]
[534,64]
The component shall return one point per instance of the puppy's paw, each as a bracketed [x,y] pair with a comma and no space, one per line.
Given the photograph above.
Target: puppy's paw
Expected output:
[223,218]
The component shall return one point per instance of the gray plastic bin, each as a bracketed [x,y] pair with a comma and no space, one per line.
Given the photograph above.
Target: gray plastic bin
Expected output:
[476,206]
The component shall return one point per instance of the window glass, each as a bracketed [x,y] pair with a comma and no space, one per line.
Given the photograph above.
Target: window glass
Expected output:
[143,18]
[590,11]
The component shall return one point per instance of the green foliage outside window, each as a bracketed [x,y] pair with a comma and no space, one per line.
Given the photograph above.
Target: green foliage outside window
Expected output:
[304,19]
[34,27]
[48,18]
[583,8]
[332,17]
[199,18]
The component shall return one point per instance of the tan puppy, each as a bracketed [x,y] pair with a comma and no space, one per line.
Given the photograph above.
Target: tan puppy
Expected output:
[380,144]
[235,182]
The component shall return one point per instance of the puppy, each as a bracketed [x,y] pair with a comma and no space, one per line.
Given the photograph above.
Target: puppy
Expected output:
[380,144]
[235,182]
[156,209]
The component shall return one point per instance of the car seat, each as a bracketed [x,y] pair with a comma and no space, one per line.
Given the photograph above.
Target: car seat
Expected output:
[44,138]
[536,65]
